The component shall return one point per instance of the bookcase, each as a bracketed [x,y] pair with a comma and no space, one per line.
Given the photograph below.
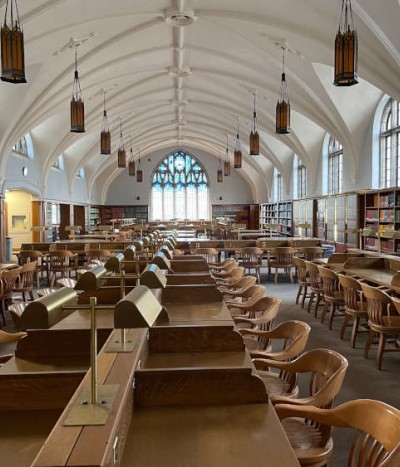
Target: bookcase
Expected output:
[103,214]
[304,214]
[380,220]
[278,213]
[234,213]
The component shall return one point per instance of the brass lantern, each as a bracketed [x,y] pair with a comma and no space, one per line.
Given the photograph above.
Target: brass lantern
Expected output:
[346,49]
[77,104]
[121,150]
[220,175]
[139,173]
[131,165]
[105,135]
[283,104]
[227,164]
[12,46]
[254,136]
[237,154]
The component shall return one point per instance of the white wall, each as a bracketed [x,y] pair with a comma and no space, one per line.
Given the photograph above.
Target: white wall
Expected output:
[19,219]
[125,189]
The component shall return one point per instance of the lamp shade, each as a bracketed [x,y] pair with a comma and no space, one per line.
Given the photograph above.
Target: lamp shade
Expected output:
[283,109]
[220,176]
[131,168]
[139,176]
[77,105]
[105,135]
[237,159]
[346,49]
[12,46]
[121,158]
[254,142]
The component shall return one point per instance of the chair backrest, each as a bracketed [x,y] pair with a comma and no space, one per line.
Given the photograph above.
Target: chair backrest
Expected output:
[244,283]
[313,274]
[352,291]
[26,256]
[234,275]
[330,281]
[379,304]
[253,293]
[27,274]
[100,255]
[377,442]
[312,252]
[283,255]
[8,279]
[295,335]
[262,313]
[60,260]
[301,269]
[209,254]
[327,370]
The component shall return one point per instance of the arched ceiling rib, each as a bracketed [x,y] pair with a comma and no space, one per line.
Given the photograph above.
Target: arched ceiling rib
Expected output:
[189,84]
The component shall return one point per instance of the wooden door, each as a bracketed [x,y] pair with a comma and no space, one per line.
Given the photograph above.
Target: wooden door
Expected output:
[79,217]
[64,220]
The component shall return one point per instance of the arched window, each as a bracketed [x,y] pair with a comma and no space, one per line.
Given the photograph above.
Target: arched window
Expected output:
[335,166]
[277,185]
[179,189]
[21,147]
[299,178]
[389,173]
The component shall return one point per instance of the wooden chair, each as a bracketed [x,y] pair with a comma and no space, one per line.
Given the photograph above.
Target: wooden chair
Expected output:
[310,253]
[282,259]
[99,257]
[377,425]
[327,370]
[16,309]
[222,265]
[238,287]
[235,274]
[27,256]
[24,282]
[7,338]
[66,282]
[355,307]
[8,279]
[333,294]
[302,278]
[383,320]
[251,293]
[211,255]
[63,262]
[317,290]
[259,316]
[221,273]
[251,258]
[294,335]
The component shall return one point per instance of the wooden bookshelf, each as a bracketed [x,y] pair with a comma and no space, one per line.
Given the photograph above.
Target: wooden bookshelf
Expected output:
[278,213]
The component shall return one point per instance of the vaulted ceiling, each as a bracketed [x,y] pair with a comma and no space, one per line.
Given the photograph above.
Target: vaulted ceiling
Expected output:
[180,72]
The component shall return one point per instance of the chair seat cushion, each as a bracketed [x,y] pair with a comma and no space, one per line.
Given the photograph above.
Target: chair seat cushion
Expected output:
[306,441]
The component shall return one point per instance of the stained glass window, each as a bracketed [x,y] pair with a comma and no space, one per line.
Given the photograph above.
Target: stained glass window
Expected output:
[179,189]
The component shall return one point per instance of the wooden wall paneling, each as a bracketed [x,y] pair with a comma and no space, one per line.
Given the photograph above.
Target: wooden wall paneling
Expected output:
[65,210]
[79,216]
[37,219]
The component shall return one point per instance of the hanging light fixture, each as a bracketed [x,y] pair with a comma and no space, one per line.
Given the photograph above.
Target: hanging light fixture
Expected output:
[227,164]
[346,49]
[77,105]
[105,136]
[283,104]
[139,172]
[254,136]
[121,150]
[237,154]
[12,47]
[220,175]
[131,165]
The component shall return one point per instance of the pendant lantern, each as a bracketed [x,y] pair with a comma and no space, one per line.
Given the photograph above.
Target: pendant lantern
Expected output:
[105,136]
[12,46]
[254,136]
[346,49]
[227,164]
[139,172]
[283,104]
[121,150]
[131,165]
[237,154]
[77,104]
[220,175]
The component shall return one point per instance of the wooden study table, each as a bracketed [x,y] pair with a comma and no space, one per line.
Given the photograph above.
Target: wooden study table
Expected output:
[196,398]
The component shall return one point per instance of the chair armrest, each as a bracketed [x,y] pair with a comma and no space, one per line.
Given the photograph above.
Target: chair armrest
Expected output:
[290,410]
[262,363]
[242,319]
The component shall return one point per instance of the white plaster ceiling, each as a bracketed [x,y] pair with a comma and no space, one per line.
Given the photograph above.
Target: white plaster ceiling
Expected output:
[187,85]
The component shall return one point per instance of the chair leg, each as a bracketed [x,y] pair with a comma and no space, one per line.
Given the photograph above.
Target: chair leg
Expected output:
[312,295]
[356,323]
[3,307]
[324,311]
[276,276]
[31,295]
[299,294]
[381,350]
[289,270]
[344,325]
[317,304]
[369,343]
[332,315]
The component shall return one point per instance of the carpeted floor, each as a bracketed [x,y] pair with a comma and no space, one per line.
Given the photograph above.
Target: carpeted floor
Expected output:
[363,380]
